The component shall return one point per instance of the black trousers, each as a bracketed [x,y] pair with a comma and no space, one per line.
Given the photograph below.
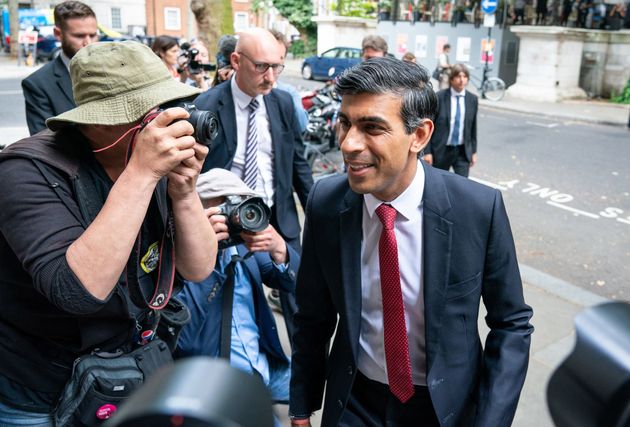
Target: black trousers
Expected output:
[372,404]
[455,157]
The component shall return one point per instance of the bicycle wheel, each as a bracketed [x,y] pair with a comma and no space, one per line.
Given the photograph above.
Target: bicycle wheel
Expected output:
[493,89]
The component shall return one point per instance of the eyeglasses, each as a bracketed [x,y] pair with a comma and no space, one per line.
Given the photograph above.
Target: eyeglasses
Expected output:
[262,67]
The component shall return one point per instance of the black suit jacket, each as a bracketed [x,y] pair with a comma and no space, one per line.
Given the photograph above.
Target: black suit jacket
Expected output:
[437,144]
[468,254]
[47,93]
[290,169]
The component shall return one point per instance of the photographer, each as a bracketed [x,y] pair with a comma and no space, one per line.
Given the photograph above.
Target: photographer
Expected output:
[253,344]
[84,221]
[194,65]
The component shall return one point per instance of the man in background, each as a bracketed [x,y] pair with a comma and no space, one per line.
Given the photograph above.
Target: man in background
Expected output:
[260,139]
[454,141]
[48,91]
[373,47]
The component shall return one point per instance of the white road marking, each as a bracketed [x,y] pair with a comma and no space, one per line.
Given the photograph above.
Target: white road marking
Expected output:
[489,184]
[570,209]
[543,125]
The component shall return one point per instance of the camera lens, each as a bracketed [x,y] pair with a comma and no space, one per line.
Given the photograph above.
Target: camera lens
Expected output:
[206,125]
[252,216]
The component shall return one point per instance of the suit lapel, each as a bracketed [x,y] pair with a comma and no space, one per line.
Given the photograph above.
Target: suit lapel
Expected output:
[227,116]
[447,106]
[273,110]
[250,264]
[350,235]
[63,79]
[436,250]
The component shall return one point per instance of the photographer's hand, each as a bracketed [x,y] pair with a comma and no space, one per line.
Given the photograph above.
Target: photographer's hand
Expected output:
[218,223]
[267,240]
[163,144]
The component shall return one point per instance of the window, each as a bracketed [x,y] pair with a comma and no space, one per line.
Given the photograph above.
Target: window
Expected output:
[241,21]
[332,53]
[116,21]
[172,18]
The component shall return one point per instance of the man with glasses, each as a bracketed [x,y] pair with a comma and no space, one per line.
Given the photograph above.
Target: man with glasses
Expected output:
[260,139]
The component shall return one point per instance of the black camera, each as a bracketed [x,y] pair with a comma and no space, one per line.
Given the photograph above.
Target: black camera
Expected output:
[192,65]
[205,123]
[244,213]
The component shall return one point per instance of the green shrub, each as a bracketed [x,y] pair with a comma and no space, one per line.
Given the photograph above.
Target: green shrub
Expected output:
[624,96]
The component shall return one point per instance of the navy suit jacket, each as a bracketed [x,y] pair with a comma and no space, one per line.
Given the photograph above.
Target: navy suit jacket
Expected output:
[291,171]
[468,254]
[47,93]
[437,144]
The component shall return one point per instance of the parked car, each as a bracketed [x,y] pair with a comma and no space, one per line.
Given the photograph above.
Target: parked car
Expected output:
[330,63]
[48,47]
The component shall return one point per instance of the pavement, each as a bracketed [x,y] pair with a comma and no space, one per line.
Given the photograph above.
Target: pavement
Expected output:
[555,302]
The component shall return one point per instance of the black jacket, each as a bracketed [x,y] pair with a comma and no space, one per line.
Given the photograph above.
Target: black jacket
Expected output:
[48,318]
[47,93]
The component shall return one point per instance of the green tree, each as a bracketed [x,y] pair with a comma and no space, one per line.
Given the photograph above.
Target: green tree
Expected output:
[299,13]
[214,19]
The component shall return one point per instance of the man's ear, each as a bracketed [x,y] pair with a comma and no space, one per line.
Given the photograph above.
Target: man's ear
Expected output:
[422,136]
[235,60]
[57,32]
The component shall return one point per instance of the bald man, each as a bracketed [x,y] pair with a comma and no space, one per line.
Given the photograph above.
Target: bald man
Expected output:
[260,139]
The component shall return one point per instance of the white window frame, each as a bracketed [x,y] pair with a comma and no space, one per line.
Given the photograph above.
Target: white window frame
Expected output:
[119,27]
[177,16]
[238,17]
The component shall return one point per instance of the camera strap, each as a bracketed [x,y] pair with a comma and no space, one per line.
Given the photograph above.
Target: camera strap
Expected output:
[227,303]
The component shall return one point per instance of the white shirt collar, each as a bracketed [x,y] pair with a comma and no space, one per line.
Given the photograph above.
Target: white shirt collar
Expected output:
[65,60]
[407,202]
[241,98]
[455,93]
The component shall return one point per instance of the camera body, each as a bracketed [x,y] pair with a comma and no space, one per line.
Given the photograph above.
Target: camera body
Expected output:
[192,65]
[205,123]
[243,213]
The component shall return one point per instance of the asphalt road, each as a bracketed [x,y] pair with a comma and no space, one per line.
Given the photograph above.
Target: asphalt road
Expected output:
[567,191]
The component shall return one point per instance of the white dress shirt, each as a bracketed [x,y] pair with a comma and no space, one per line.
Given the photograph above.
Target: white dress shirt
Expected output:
[408,230]
[462,114]
[264,184]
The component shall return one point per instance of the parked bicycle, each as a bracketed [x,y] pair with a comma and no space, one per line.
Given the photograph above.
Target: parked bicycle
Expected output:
[491,88]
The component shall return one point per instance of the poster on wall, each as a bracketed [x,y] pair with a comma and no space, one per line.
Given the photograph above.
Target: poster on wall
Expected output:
[487,51]
[440,41]
[401,44]
[421,46]
[463,49]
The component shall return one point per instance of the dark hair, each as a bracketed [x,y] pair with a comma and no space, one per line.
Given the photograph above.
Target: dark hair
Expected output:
[281,39]
[409,57]
[446,46]
[374,42]
[225,47]
[389,75]
[71,10]
[163,43]
[456,69]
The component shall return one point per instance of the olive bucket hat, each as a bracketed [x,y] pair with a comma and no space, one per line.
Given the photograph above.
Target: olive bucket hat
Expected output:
[117,83]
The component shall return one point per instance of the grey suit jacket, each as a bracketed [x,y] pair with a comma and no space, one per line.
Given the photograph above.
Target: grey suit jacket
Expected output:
[468,254]
[47,93]
[437,144]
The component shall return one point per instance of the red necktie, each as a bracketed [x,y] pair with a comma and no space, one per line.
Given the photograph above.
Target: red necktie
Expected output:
[395,331]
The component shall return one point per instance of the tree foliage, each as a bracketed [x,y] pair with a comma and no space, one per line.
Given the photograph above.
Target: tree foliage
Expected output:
[214,19]
[299,13]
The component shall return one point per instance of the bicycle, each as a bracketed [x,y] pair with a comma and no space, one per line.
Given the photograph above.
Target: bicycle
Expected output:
[491,88]
[322,160]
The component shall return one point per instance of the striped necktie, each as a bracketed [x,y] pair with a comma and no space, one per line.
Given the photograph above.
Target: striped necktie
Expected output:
[250,174]
[458,116]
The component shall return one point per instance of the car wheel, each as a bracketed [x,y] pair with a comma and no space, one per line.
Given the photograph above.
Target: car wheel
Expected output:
[307,72]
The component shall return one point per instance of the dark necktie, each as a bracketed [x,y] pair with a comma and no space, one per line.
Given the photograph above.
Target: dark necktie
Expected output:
[250,173]
[458,115]
[394,329]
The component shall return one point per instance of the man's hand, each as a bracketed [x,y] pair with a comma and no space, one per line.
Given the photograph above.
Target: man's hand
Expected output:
[182,180]
[164,144]
[301,423]
[473,162]
[267,240]
[428,158]
[218,222]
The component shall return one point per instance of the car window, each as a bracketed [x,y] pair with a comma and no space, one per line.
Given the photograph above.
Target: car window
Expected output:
[332,53]
[355,54]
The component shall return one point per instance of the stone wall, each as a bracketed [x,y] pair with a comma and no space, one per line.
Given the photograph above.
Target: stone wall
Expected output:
[333,31]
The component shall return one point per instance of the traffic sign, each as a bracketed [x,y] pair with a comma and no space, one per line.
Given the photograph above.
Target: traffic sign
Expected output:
[489,6]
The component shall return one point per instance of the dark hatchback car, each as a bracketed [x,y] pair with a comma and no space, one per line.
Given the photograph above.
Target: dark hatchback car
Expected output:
[330,63]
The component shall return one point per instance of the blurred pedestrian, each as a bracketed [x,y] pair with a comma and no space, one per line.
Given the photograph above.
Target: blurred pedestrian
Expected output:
[167,48]
[225,47]
[541,12]
[196,76]
[454,141]
[409,57]
[373,46]
[444,67]
[48,91]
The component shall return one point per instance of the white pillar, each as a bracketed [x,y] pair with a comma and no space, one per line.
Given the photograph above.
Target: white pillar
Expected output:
[549,62]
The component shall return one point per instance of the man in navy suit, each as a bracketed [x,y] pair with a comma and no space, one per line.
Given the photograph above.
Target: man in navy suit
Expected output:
[48,91]
[396,258]
[454,141]
[258,59]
